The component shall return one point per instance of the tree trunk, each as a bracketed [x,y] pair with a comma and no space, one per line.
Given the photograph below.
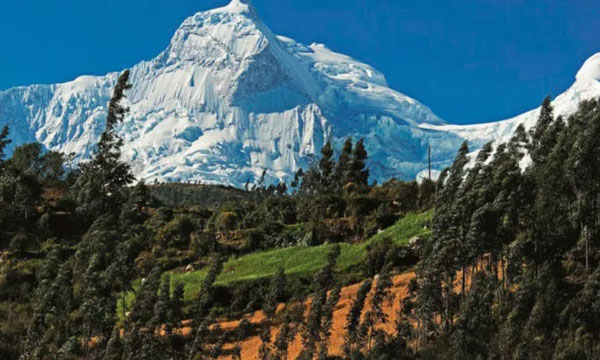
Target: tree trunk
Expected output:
[464,279]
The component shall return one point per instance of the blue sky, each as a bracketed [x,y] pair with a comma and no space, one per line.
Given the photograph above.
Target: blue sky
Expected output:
[470,61]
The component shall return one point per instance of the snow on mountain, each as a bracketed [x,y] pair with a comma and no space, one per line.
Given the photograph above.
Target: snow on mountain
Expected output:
[228,100]
[586,86]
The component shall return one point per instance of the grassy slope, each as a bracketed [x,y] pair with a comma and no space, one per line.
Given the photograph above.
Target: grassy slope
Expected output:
[303,261]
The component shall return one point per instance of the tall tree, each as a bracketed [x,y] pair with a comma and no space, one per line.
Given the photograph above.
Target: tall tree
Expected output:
[584,172]
[538,148]
[4,141]
[359,172]
[275,293]
[323,282]
[342,167]
[327,321]
[50,327]
[376,315]
[99,188]
[326,167]
[354,316]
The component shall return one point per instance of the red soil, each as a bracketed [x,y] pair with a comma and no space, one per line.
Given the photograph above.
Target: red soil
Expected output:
[250,346]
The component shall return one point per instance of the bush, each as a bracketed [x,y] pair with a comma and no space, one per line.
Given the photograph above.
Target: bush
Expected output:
[145,262]
[226,221]
[22,242]
[204,243]
[324,206]
[176,233]
[361,205]
[254,241]
[377,256]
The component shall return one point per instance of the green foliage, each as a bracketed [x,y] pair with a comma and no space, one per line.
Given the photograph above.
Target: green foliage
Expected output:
[187,195]
[331,176]
[379,254]
[276,292]
[321,308]
[304,261]
[342,168]
[4,141]
[176,233]
[99,187]
[359,174]
[523,239]
[353,318]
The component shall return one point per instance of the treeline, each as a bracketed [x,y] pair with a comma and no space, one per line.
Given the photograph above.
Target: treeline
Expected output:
[512,267]
[189,194]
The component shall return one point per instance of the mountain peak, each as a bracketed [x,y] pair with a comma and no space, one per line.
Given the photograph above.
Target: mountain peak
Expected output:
[590,70]
[220,36]
[238,6]
[235,7]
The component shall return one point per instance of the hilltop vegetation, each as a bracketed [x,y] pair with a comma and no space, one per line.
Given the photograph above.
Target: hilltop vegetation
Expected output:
[200,195]
[302,262]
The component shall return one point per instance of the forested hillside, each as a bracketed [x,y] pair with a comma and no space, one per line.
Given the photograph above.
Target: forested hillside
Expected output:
[511,270]
[498,260]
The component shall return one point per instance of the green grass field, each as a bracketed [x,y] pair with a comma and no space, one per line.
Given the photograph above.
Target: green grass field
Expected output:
[298,261]
[303,261]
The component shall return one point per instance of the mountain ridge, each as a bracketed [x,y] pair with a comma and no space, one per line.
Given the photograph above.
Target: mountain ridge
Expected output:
[228,99]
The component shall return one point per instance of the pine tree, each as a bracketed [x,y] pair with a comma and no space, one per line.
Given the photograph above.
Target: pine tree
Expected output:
[144,311]
[538,148]
[297,179]
[359,173]
[114,347]
[311,335]
[342,168]
[200,335]
[446,256]
[311,181]
[376,314]
[201,308]
[50,327]
[4,141]
[177,305]
[283,338]
[161,319]
[99,188]
[98,306]
[140,340]
[323,282]
[353,317]
[476,322]
[326,168]
[584,173]
[275,293]
[327,321]
[205,298]
[132,212]
[265,351]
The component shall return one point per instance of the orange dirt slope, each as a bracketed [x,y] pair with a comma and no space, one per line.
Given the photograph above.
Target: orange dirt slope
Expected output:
[250,346]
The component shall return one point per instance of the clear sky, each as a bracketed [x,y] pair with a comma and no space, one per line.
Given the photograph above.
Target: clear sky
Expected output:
[469,60]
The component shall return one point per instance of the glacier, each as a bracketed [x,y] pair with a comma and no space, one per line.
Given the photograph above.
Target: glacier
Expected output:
[228,100]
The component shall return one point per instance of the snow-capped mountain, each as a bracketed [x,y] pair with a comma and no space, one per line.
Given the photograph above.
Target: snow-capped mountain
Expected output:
[228,99]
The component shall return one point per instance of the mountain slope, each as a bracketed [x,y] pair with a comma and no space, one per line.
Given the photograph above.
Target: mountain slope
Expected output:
[228,100]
